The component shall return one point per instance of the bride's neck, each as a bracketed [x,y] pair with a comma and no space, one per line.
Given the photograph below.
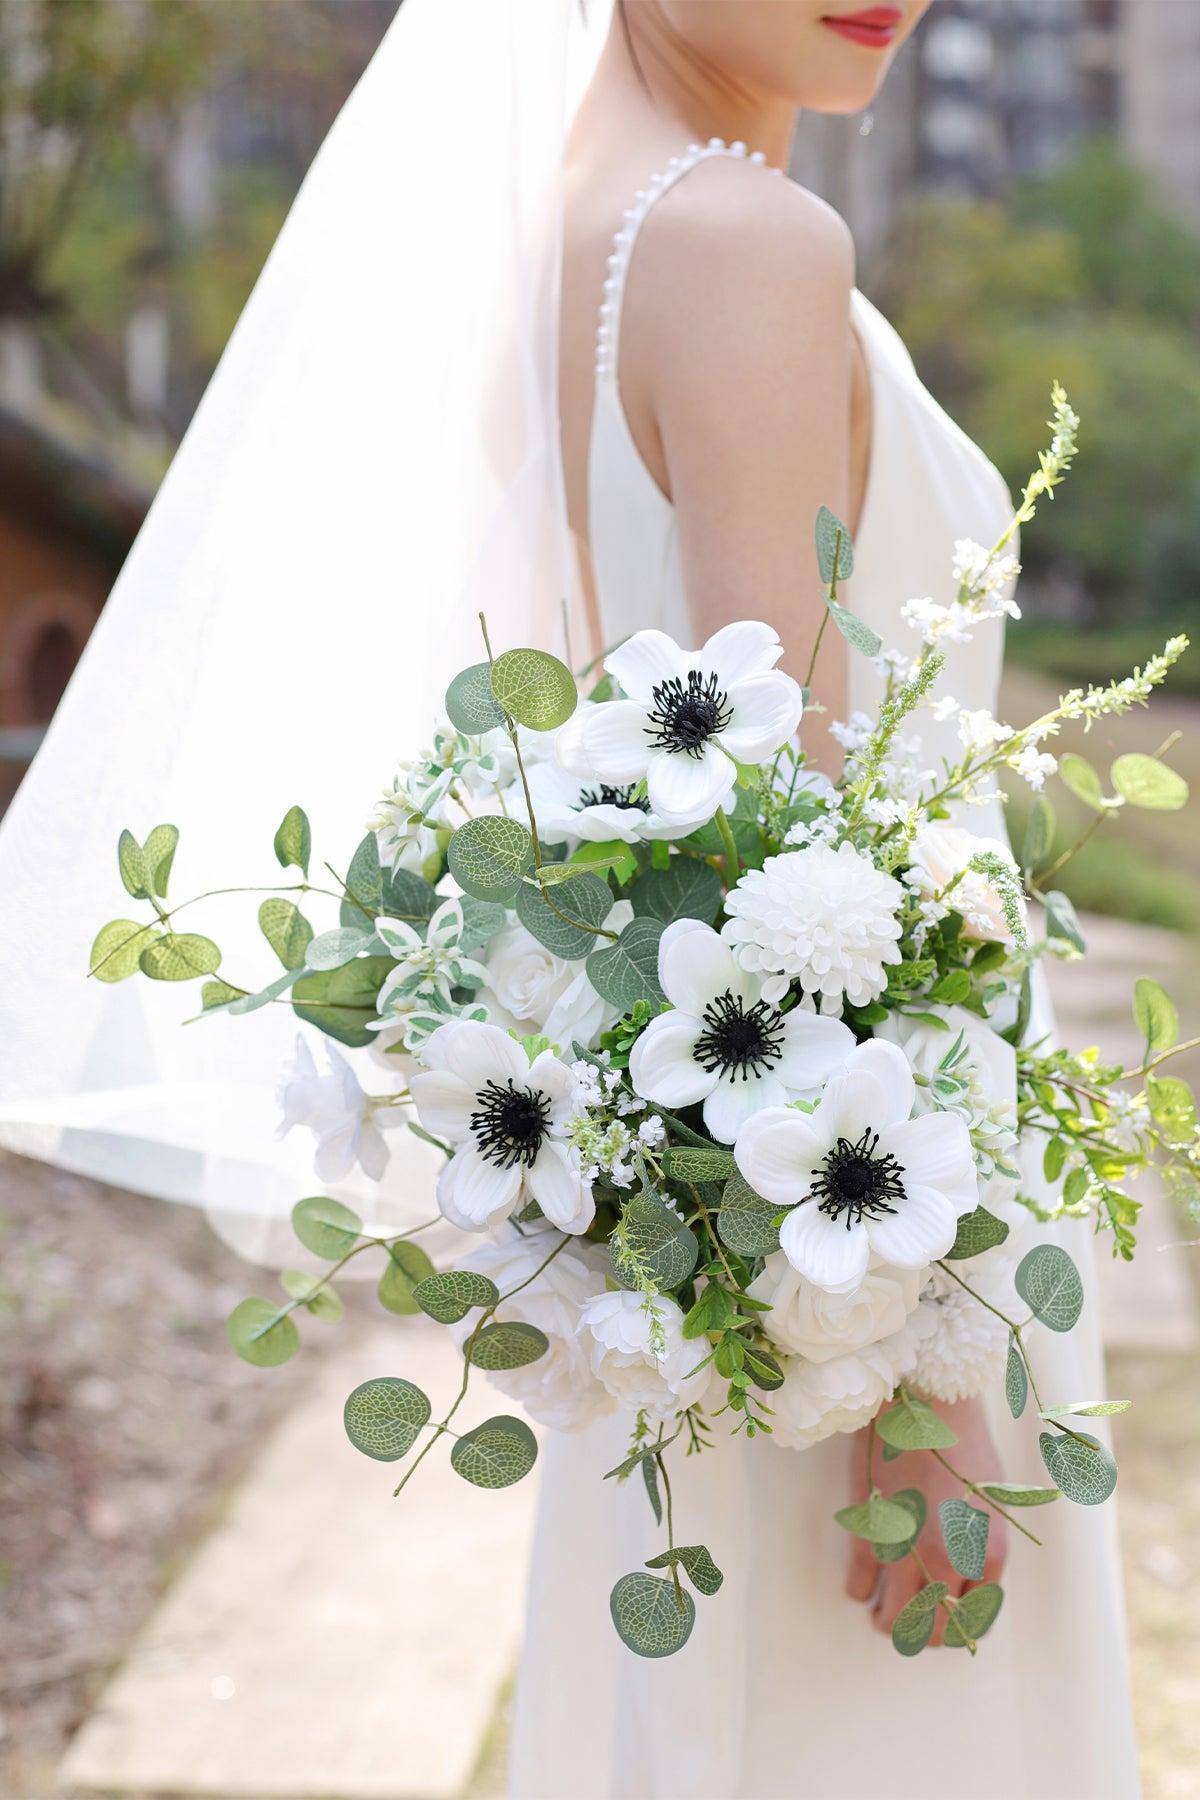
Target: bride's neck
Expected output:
[647,64]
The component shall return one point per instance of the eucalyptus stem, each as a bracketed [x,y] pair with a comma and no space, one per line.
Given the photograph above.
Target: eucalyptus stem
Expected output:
[1020,1342]
[661,1461]
[973,1488]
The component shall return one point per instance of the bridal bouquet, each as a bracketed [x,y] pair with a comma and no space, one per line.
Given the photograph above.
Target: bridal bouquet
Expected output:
[747,1114]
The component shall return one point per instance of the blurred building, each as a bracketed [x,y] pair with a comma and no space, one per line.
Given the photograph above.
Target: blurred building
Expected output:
[990,90]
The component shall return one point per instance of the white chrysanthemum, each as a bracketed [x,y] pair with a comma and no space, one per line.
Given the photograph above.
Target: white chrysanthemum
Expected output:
[820,1399]
[620,1334]
[963,1345]
[826,918]
[559,1389]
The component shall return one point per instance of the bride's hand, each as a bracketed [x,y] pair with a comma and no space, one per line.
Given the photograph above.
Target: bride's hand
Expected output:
[890,1586]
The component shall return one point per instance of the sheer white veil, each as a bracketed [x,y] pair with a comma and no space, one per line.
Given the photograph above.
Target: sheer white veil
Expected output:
[376,457]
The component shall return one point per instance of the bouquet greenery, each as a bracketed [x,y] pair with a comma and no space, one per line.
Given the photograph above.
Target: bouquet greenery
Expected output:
[743,1088]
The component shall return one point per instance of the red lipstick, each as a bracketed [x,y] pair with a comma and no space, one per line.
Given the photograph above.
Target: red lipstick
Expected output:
[874,26]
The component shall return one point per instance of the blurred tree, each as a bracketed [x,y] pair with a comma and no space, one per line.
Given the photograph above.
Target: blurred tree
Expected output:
[1085,277]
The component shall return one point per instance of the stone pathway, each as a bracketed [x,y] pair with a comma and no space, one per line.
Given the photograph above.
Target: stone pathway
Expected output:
[329,1644]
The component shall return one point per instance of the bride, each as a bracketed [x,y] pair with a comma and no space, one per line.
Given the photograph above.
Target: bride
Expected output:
[447,388]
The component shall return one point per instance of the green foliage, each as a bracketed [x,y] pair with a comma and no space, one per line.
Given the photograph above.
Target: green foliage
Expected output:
[1039,834]
[650,1482]
[471,705]
[383,1418]
[977,1231]
[179,957]
[326,1227]
[262,1333]
[286,930]
[650,1244]
[293,840]
[856,632]
[116,953]
[489,857]
[685,889]
[334,949]
[912,1425]
[158,854]
[627,971]
[913,1501]
[973,1616]
[450,1295]
[747,1222]
[1018,1493]
[878,1520]
[1048,1282]
[914,1622]
[341,1002]
[965,1535]
[495,1454]
[1016,1380]
[1155,1016]
[1081,1466]
[534,688]
[687,1163]
[1086,1409]
[507,1346]
[834,546]
[652,1617]
[1144,781]
[407,1265]
[1061,921]
[135,876]
[1082,780]
[585,898]
[702,1571]
[313,1293]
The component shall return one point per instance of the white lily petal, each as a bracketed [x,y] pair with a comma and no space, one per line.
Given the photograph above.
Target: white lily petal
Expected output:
[935,1151]
[814,1048]
[778,1152]
[766,712]
[922,1228]
[734,1101]
[694,966]
[687,790]
[560,1190]
[617,741]
[739,651]
[444,1103]
[474,1193]
[824,1250]
[662,1066]
[645,660]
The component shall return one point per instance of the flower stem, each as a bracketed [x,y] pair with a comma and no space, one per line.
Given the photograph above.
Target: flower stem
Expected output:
[733,867]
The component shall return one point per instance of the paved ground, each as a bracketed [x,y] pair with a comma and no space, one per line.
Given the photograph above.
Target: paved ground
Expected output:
[327,1642]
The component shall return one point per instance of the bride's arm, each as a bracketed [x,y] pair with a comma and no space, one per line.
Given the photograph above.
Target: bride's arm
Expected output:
[736,368]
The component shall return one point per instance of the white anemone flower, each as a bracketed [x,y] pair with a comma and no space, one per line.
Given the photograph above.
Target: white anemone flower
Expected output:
[575,805]
[506,1118]
[724,1044]
[861,1176]
[346,1122]
[690,714]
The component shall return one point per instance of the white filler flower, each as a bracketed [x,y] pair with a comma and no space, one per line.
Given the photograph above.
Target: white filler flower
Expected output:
[690,712]
[861,1176]
[347,1124]
[559,1389]
[723,1044]
[825,918]
[506,1117]
[620,1332]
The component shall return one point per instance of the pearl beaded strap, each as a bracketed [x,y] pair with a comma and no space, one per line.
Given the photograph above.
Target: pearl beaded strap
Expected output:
[608,335]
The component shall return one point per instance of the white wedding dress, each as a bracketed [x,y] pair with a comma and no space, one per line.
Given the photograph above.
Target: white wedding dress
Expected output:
[785,1689]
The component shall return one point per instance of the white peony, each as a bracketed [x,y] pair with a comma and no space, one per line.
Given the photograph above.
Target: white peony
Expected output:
[963,1346]
[618,1332]
[346,1122]
[723,1044]
[820,1399]
[559,1389]
[862,1177]
[807,1321]
[507,1118]
[823,917]
[939,854]
[532,991]
[690,714]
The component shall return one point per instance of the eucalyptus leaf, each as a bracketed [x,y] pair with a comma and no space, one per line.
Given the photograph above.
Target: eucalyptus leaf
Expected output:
[248,1003]
[1155,1014]
[407,1265]
[135,877]
[341,1002]
[1018,1493]
[650,1480]
[326,1226]
[702,1571]
[746,1222]
[1144,781]
[914,1622]
[1081,1466]
[158,854]
[652,1618]
[977,1231]
[314,1293]
[471,705]
[482,919]
[965,1535]
[334,948]
[627,971]
[262,1333]
[293,840]
[973,1616]
[364,880]
[286,930]
[534,688]
[1061,921]
[1172,1107]
[1080,777]
[833,541]
[179,957]
[879,1520]
[912,1425]
[449,1295]
[407,896]
[1048,1282]
[510,1345]
[685,889]
[116,953]
[1086,1409]
[1016,1380]
[652,1241]
[384,1417]
[584,898]
[489,857]
[856,633]
[913,1501]
[495,1454]
[1039,834]
[685,1163]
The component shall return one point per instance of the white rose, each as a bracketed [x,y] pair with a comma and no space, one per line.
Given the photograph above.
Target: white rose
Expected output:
[531,990]
[941,852]
[617,1329]
[559,1389]
[818,1400]
[812,1323]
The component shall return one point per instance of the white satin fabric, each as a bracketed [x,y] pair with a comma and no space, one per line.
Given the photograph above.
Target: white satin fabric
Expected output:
[785,1690]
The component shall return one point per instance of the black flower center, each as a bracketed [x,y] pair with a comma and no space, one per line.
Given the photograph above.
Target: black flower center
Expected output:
[627,798]
[510,1123]
[855,1181]
[744,1041]
[685,717]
